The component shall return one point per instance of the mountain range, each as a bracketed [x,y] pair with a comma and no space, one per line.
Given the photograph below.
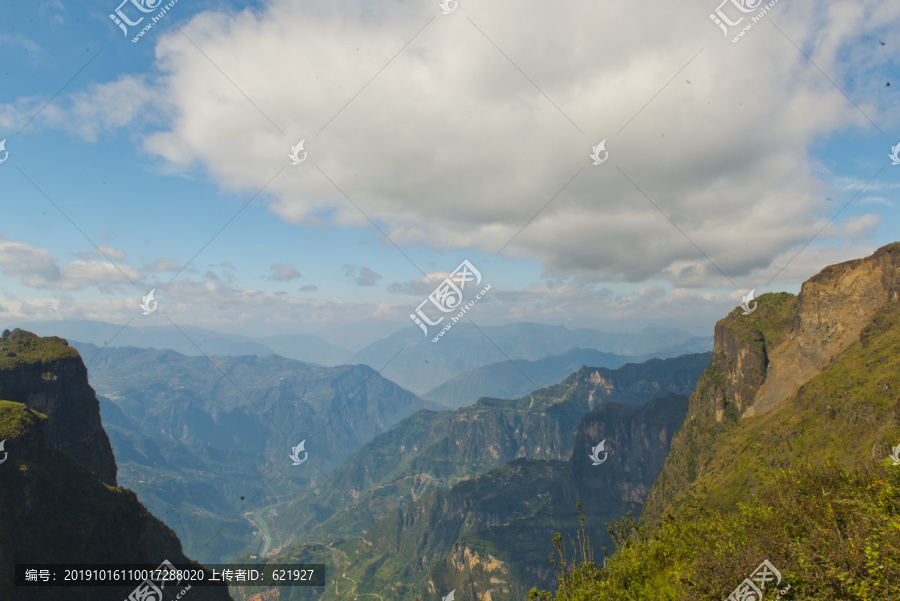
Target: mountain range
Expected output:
[402,357]
[773,449]
[193,435]
[483,485]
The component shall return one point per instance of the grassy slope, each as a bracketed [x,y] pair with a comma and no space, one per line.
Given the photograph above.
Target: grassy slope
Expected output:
[831,525]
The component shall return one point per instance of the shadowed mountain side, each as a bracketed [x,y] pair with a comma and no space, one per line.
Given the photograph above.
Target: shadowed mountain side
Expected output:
[56,511]
[47,375]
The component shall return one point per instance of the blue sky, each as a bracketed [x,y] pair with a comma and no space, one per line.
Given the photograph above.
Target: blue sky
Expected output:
[451,133]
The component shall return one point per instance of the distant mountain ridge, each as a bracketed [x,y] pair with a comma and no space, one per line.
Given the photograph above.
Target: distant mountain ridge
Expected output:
[513,379]
[420,365]
[302,347]
[404,357]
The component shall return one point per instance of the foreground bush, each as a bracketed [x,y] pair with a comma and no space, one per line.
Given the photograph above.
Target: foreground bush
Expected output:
[832,534]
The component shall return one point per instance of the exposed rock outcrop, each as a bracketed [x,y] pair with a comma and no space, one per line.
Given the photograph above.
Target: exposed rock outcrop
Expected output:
[48,376]
[55,511]
[793,356]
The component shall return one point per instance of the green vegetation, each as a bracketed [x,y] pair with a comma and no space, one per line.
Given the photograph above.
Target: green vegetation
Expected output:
[802,484]
[831,532]
[24,348]
[17,422]
[770,321]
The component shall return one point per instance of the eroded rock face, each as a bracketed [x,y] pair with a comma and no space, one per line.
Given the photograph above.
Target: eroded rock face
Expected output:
[57,386]
[833,309]
[760,362]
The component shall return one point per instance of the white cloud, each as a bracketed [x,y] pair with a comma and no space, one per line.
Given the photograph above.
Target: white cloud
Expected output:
[18,259]
[37,268]
[363,276]
[451,146]
[282,272]
[163,264]
[103,252]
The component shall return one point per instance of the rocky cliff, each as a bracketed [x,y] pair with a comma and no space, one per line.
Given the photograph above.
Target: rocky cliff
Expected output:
[55,511]
[800,380]
[48,376]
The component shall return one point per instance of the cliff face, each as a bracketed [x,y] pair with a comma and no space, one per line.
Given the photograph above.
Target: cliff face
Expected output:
[48,376]
[55,511]
[783,374]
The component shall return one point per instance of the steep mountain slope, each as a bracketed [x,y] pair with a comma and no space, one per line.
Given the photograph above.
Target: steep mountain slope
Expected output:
[489,537]
[435,450]
[801,380]
[422,365]
[783,455]
[47,375]
[197,490]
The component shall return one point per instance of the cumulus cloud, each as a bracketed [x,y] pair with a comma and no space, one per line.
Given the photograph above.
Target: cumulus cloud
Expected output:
[362,277]
[103,252]
[282,272]
[456,144]
[163,264]
[26,261]
[37,268]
